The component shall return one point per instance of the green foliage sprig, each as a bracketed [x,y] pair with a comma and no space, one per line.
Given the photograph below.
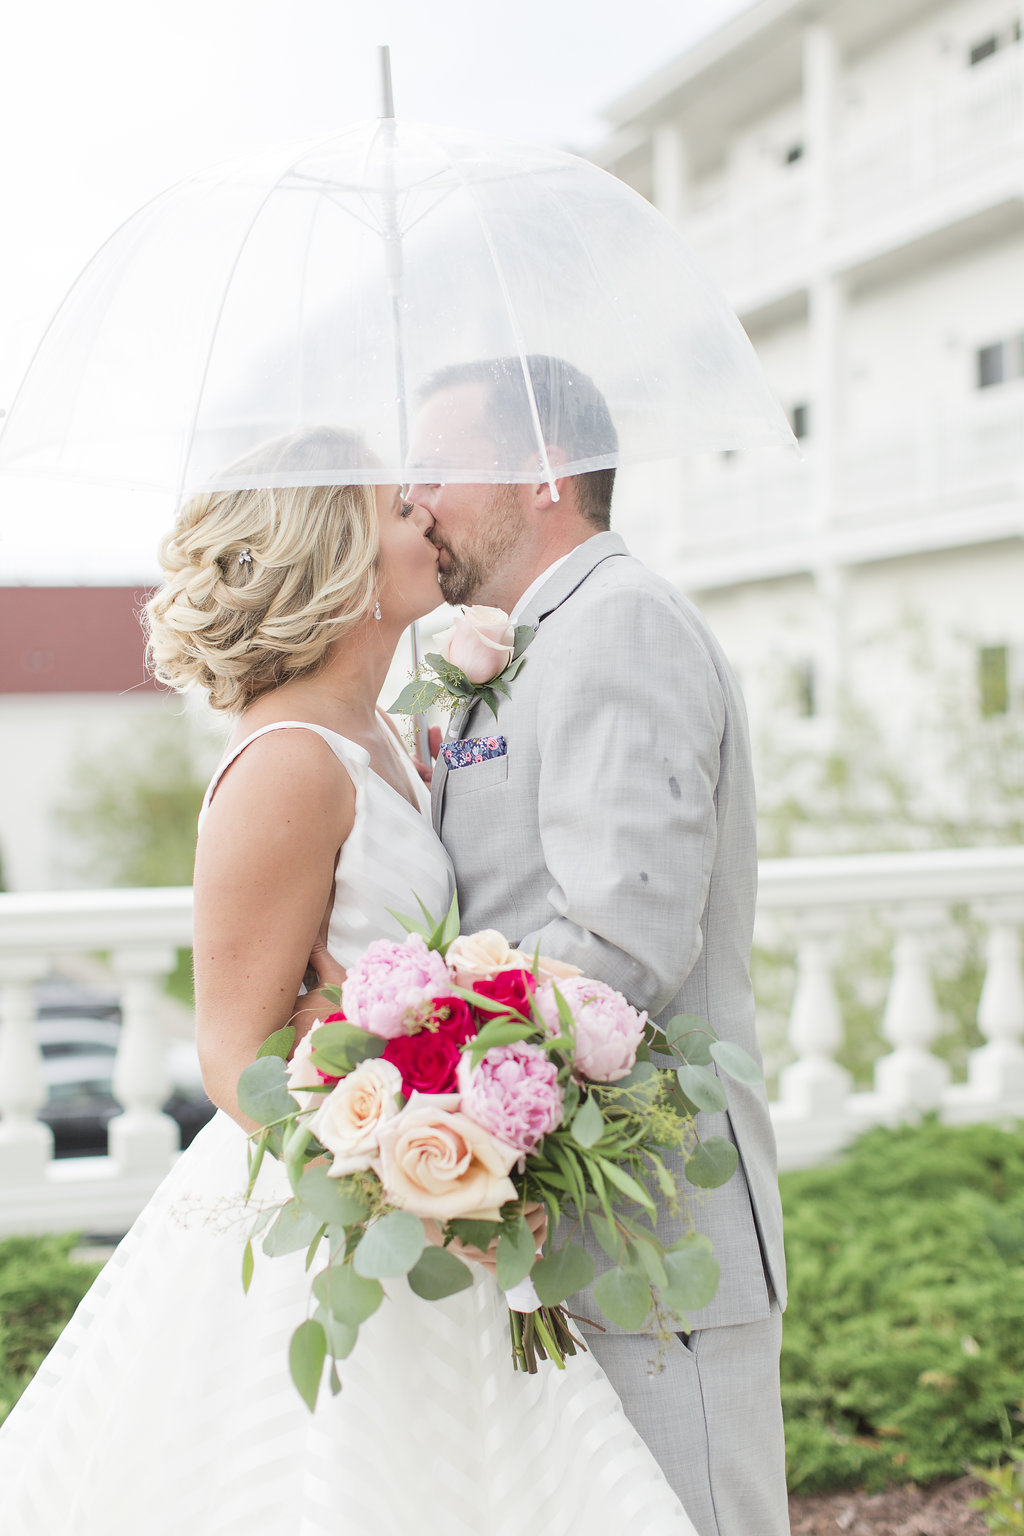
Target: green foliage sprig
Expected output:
[438,681]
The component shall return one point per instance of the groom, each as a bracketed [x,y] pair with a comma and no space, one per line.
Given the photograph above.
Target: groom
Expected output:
[616,830]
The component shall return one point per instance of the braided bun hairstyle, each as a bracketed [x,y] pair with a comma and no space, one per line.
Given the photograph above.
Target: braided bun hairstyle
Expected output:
[260,582]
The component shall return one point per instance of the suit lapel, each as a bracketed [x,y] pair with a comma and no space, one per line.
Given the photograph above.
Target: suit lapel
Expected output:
[564,582]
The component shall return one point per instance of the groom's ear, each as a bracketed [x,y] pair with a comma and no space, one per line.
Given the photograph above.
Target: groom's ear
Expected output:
[542,497]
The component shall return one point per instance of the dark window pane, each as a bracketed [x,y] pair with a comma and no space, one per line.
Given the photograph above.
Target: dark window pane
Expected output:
[806,693]
[794,153]
[983,49]
[991,365]
[993,680]
[798,420]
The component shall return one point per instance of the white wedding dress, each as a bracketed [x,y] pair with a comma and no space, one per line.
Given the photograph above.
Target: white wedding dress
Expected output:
[166,1407]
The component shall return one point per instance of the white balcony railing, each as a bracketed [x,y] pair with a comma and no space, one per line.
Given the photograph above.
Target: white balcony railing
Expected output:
[804,904]
[755,238]
[957,457]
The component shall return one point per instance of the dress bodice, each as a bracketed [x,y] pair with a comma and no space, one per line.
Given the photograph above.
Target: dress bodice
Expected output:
[390,858]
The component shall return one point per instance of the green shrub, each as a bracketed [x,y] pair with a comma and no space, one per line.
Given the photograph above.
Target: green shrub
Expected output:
[1002,1506]
[904,1347]
[40,1287]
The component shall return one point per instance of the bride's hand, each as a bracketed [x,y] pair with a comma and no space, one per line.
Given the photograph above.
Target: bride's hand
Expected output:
[536,1219]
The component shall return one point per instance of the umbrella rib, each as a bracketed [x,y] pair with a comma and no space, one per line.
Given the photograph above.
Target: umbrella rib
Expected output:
[190,437]
[513,322]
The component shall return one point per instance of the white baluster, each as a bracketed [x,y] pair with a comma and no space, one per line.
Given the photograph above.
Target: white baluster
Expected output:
[26,1144]
[910,1077]
[142,1139]
[815,1086]
[995,1071]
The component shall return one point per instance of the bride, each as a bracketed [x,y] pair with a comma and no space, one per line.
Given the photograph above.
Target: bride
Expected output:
[166,1407]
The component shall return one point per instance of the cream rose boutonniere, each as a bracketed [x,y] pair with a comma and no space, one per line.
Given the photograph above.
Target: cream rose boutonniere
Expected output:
[476,659]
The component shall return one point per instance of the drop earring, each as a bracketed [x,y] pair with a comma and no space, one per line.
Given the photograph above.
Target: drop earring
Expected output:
[376,609]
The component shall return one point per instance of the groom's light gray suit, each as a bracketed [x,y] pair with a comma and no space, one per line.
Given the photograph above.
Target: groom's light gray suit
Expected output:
[618,832]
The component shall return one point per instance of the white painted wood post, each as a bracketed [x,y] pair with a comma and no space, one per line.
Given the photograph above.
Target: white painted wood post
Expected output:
[911,1078]
[815,1086]
[142,1139]
[995,1071]
[26,1144]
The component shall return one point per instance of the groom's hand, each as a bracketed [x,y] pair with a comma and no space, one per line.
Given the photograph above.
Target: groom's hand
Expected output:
[536,1219]
[426,770]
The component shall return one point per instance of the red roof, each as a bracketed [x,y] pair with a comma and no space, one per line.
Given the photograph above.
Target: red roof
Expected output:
[72,640]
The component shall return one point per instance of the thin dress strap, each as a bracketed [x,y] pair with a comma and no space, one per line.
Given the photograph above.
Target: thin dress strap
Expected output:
[362,757]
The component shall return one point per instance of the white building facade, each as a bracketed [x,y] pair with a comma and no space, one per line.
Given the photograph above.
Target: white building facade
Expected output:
[852,173]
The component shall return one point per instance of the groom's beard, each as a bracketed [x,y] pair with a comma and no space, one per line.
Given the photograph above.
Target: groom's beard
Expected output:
[485,551]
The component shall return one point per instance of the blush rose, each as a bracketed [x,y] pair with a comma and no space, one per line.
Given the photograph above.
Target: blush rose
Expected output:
[438,1164]
[479,643]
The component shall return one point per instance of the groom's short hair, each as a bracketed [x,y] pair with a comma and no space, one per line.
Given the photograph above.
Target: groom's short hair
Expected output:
[572,411]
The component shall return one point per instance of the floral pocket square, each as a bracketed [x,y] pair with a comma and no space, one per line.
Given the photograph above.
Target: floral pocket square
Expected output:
[474,749]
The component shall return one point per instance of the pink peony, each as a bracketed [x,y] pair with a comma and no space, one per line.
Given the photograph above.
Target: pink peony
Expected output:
[386,990]
[608,1030]
[513,1093]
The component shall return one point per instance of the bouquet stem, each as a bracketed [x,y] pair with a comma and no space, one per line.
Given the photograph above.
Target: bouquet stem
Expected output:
[541,1335]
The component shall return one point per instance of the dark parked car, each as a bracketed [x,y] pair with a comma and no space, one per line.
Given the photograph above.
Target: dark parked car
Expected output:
[79,1049]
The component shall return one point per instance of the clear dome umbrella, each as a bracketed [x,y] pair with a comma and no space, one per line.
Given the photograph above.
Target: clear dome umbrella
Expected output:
[324,286]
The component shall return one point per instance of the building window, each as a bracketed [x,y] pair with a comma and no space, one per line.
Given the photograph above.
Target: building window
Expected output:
[985,47]
[798,419]
[1000,361]
[993,681]
[794,153]
[804,690]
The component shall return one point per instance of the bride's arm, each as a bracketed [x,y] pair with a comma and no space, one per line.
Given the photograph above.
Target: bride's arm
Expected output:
[264,872]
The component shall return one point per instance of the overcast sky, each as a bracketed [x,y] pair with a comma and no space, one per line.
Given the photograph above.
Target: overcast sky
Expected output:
[102,105]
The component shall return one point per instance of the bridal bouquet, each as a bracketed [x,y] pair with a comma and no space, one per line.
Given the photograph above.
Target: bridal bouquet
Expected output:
[461,1084]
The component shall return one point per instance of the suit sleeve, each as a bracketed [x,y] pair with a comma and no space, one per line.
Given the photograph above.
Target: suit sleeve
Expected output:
[630,731]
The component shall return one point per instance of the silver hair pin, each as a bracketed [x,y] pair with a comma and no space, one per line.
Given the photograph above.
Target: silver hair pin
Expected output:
[245,558]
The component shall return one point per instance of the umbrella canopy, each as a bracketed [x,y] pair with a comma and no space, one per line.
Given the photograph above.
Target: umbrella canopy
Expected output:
[326,286]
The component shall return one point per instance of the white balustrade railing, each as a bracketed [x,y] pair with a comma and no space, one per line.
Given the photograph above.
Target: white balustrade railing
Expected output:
[804,904]
[809,904]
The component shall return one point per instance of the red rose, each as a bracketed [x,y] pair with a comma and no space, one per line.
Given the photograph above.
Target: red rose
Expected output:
[427,1061]
[512,988]
[455,1018]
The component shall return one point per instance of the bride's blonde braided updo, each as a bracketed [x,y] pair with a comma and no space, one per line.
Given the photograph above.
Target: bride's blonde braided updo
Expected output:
[259,583]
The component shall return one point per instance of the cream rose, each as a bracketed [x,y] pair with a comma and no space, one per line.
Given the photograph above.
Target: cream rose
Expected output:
[480,642]
[479,956]
[555,970]
[351,1117]
[438,1164]
[302,1073]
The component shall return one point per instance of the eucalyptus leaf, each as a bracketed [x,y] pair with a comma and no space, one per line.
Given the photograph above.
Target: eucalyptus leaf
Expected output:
[390,1246]
[624,1297]
[627,1184]
[341,1337]
[293,1228]
[334,1379]
[279,1043]
[347,1296]
[588,1123]
[644,1075]
[611,1240]
[248,1263]
[306,1355]
[562,1273]
[713,1163]
[329,1199]
[477,1234]
[437,1273]
[693,1274]
[262,1091]
[702,1087]
[647,1256]
[737,1062]
[690,1037]
[517,1250]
